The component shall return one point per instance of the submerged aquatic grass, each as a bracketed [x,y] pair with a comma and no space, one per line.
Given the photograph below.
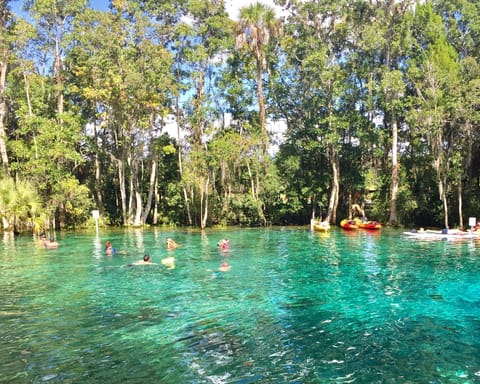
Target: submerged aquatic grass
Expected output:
[295,307]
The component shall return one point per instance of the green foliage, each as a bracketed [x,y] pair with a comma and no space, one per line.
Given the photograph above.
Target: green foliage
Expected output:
[89,93]
[19,204]
[76,200]
[172,212]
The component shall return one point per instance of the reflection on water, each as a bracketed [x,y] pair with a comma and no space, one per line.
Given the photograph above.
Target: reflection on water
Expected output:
[295,307]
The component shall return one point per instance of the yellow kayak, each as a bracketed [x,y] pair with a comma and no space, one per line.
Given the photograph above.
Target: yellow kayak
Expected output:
[321,226]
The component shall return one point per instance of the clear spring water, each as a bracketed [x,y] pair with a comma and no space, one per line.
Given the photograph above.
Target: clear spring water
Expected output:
[296,307]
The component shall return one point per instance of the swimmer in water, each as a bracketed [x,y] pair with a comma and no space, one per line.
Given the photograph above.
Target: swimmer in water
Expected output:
[109,250]
[224,244]
[224,267]
[147,260]
[169,262]
[171,244]
[52,244]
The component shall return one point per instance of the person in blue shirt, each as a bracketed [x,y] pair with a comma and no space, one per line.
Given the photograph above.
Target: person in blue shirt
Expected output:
[109,250]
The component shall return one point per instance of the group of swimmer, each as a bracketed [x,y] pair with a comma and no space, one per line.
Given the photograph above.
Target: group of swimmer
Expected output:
[169,262]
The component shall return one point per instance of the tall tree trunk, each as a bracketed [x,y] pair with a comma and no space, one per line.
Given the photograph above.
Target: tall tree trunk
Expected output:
[442,186]
[439,166]
[204,204]
[260,205]
[137,220]
[123,193]
[443,193]
[333,203]
[98,172]
[156,203]
[252,182]
[3,133]
[151,189]
[131,194]
[4,53]
[58,77]
[460,201]
[395,173]
[261,108]
[180,165]
[467,163]
[30,111]
[132,197]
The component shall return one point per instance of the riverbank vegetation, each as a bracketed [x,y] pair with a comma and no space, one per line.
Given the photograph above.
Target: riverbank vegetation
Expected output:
[378,102]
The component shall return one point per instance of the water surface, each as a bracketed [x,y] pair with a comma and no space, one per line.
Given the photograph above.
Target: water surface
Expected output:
[296,307]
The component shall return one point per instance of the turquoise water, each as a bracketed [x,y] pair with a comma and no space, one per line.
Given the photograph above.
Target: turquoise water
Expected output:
[296,307]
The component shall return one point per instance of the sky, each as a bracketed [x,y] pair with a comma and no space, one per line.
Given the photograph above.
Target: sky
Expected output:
[232,6]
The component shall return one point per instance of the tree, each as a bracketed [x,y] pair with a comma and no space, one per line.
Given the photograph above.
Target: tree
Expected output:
[205,40]
[385,44]
[320,92]
[255,30]
[19,204]
[122,73]
[5,52]
[435,74]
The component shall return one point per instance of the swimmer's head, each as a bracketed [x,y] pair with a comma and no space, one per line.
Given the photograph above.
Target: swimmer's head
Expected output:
[146,257]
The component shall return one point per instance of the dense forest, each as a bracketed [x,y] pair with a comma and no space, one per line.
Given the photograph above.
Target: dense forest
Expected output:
[379,100]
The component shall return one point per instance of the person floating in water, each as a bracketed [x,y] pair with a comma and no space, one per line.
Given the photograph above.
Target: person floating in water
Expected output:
[109,250]
[224,244]
[52,244]
[224,267]
[42,240]
[146,260]
[169,262]
[171,244]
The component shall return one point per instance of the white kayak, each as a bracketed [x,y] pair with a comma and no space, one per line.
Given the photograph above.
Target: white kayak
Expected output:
[441,235]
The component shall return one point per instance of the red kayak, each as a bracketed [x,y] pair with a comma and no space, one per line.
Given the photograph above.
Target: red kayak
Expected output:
[367,224]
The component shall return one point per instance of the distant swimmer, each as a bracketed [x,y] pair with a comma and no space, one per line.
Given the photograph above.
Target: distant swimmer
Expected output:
[109,250]
[224,244]
[171,244]
[145,261]
[224,267]
[42,240]
[169,262]
[51,244]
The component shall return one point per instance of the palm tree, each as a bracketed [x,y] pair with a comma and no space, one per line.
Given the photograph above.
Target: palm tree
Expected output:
[7,198]
[19,203]
[256,27]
